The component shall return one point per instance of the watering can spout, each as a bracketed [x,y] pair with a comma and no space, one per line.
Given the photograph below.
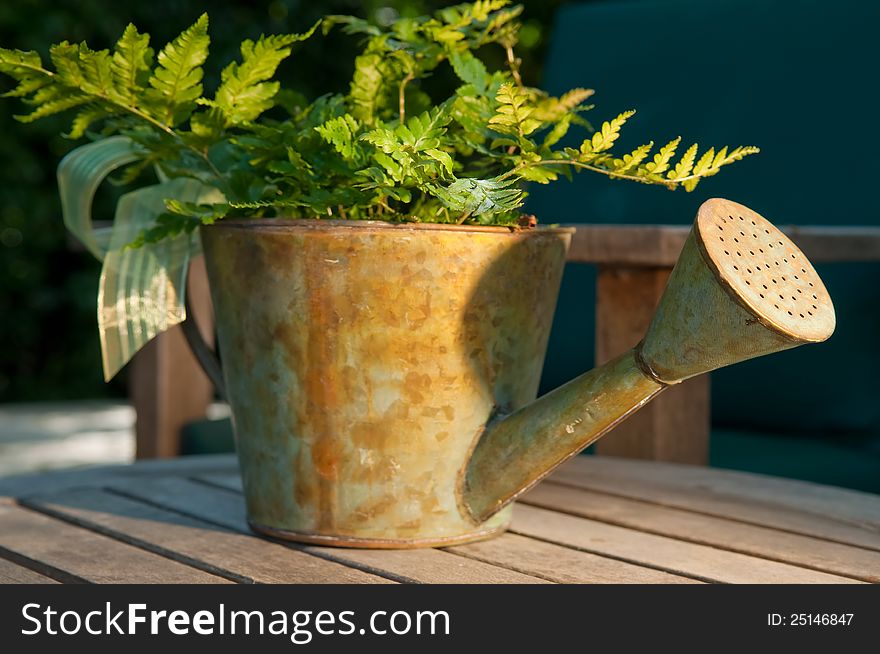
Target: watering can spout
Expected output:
[740,289]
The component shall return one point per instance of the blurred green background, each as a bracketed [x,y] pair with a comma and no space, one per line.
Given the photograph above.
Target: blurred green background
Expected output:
[48,329]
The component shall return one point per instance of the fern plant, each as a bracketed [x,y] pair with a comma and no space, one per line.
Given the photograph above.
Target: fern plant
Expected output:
[385,150]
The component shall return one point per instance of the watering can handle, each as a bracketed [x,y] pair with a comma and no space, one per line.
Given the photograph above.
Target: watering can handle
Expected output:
[204,354]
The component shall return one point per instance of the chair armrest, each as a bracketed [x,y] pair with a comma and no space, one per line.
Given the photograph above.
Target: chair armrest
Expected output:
[660,245]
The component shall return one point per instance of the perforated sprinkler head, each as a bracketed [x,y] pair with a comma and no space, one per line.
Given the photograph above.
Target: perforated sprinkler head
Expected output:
[740,289]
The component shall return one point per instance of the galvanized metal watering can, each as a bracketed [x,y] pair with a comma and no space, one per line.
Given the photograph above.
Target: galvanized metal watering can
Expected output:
[382,378]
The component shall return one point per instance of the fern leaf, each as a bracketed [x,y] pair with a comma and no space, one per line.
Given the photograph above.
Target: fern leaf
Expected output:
[424,131]
[442,157]
[723,158]
[131,63]
[27,69]
[176,81]
[740,152]
[513,115]
[690,184]
[17,63]
[341,132]
[660,163]
[704,162]
[684,165]
[481,9]
[633,159]
[65,57]
[719,158]
[245,91]
[84,119]
[56,106]
[367,86]
[28,86]
[539,174]
[207,214]
[470,70]
[710,163]
[351,25]
[97,73]
[560,129]
[382,138]
[553,109]
[610,132]
[476,197]
[208,125]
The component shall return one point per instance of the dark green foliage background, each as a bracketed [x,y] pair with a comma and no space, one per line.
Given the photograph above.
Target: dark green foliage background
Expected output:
[48,336]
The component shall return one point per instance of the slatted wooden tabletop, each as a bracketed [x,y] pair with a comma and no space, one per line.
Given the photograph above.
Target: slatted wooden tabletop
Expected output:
[596,520]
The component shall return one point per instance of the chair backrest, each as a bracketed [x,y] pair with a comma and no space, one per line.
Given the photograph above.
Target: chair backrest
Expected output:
[797,79]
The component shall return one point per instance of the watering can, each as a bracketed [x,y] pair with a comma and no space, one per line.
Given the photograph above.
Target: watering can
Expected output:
[382,378]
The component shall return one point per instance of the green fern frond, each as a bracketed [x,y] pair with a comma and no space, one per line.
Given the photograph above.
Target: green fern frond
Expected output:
[735,155]
[472,196]
[54,106]
[97,73]
[710,163]
[414,148]
[603,139]
[245,91]
[632,160]
[66,59]
[704,162]
[513,115]
[206,214]
[85,118]
[470,70]
[423,132]
[685,164]
[26,68]
[481,9]
[367,87]
[559,130]
[261,204]
[176,81]
[342,133]
[351,25]
[208,126]
[550,109]
[661,160]
[540,174]
[131,63]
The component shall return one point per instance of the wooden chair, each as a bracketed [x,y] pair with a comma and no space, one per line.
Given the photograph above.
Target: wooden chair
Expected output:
[169,389]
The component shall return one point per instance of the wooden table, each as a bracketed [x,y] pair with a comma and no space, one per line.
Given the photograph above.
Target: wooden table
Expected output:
[597,519]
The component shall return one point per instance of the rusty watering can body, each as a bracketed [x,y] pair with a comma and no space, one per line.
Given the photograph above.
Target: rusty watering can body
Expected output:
[362,362]
[382,378]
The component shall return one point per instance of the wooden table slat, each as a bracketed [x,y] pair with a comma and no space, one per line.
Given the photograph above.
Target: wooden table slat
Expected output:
[12,573]
[563,564]
[846,505]
[229,481]
[724,534]
[215,549]
[661,552]
[86,555]
[430,566]
[838,515]
[226,508]
[59,480]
